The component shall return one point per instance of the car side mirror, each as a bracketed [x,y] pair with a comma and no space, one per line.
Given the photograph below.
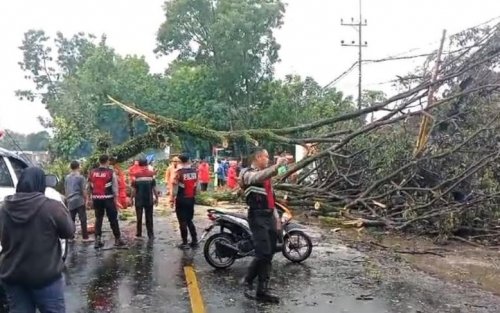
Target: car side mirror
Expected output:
[51,181]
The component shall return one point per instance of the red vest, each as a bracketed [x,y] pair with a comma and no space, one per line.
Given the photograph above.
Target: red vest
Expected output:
[102,183]
[187,183]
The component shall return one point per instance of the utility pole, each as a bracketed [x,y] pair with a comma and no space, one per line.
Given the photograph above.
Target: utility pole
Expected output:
[360,44]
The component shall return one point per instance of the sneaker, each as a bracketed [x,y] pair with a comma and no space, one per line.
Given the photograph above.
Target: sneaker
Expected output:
[87,240]
[194,244]
[138,237]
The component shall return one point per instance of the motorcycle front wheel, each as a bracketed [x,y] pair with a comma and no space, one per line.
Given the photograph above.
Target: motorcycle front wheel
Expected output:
[213,256]
[297,246]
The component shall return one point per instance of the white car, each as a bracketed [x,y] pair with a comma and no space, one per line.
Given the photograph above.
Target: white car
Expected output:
[11,167]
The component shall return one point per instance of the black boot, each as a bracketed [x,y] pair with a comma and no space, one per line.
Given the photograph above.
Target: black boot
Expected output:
[249,291]
[98,242]
[247,281]
[263,294]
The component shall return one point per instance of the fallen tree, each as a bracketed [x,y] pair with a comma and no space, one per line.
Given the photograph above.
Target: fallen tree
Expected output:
[372,173]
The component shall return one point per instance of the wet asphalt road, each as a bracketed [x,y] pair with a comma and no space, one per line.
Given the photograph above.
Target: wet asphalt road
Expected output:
[149,277]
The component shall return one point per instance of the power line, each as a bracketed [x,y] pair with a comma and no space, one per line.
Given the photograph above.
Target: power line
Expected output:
[360,45]
[398,56]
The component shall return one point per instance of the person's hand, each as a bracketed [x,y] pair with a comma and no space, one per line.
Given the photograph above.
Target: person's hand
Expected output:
[282,161]
[156,202]
[118,205]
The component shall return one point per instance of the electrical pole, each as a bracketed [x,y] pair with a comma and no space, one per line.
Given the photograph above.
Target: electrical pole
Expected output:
[360,44]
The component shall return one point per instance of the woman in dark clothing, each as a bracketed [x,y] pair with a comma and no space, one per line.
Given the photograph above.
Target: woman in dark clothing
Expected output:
[31,259]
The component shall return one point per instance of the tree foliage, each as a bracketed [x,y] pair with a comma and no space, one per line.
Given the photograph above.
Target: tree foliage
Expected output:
[234,42]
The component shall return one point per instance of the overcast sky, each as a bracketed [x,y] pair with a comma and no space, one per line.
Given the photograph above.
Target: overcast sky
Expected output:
[310,38]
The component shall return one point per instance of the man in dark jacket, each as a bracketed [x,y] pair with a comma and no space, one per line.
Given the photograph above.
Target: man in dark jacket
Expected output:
[263,220]
[31,259]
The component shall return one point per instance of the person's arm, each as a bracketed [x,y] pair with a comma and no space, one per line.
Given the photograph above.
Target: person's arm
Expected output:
[62,219]
[66,186]
[114,185]
[254,177]
[133,192]
[84,190]
[155,192]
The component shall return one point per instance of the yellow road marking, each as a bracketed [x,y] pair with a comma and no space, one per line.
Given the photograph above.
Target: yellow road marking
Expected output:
[197,305]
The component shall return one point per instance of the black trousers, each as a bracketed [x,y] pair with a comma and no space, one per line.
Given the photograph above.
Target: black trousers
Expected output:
[264,234]
[82,216]
[203,186]
[148,212]
[184,209]
[106,206]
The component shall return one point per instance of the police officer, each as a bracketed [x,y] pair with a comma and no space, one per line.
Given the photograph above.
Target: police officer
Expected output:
[146,196]
[263,221]
[104,189]
[186,180]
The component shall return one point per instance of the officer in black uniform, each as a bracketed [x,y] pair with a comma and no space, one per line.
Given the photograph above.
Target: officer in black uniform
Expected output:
[263,221]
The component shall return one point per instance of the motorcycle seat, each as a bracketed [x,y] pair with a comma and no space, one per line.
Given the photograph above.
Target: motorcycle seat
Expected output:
[238,215]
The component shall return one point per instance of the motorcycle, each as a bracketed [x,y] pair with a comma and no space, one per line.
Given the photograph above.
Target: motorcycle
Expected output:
[223,248]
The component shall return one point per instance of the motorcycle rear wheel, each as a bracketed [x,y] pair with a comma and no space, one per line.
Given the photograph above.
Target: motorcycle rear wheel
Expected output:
[211,257]
[293,241]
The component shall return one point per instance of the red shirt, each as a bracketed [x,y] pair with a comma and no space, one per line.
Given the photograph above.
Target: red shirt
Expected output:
[204,173]
[232,180]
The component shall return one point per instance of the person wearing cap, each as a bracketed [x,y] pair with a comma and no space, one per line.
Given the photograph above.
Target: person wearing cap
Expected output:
[145,196]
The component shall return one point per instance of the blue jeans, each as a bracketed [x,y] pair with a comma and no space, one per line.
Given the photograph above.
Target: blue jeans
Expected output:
[49,299]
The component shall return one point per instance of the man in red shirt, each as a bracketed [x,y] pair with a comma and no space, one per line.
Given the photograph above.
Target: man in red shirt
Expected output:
[186,180]
[204,175]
